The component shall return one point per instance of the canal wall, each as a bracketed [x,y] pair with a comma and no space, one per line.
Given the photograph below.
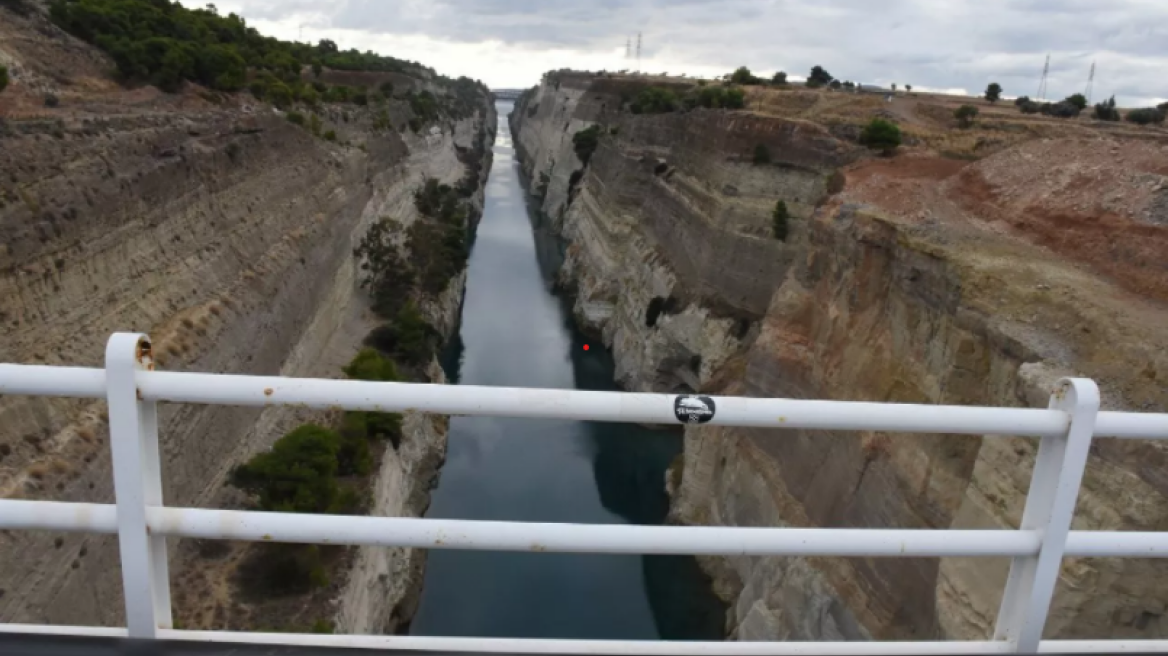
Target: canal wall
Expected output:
[891,285]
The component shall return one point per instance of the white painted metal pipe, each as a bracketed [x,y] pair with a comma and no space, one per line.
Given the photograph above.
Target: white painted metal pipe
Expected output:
[55,516]
[571,404]
[40,380]
[585,647]
[1116,544]
[583,538]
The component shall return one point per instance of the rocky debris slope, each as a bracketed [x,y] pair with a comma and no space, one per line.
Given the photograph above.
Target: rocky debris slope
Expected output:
[226,233]
[896,286]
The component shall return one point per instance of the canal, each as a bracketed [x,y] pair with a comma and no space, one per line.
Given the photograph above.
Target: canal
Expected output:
[517,332]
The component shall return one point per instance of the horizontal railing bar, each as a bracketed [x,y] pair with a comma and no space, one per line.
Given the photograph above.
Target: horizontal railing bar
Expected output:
[224,389]
[58,516]
[573,538]
[580,647]
[584,538]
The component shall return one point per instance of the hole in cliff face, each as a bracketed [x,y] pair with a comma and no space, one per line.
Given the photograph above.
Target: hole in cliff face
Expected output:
[661,167]
[741,328]
[659,306]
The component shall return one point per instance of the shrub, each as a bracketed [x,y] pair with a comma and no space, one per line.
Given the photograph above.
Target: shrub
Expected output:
[407,337]
[654,100]
[836,84]
[309,95]
[965,115]
[317,68]
[1063,109]
[1146,115]
[762,154]
[322,626]
[585,143]
[361,98]
[993,92]
[1021,100]
[386,89]
[295,117]
[314,125]
[818,77]
[331,135]
[297,475]
[882,135]
[51,100]
[279,94]
[1030,107]
[734,99]
[779,220]
[3,77]
[779,78]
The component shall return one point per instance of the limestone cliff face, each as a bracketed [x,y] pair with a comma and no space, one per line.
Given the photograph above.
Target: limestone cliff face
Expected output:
[226,233]
[670,254]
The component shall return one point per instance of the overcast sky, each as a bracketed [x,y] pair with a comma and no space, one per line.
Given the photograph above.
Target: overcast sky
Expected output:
[958,45]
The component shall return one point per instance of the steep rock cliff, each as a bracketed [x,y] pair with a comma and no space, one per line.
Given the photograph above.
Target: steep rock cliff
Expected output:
[226,233]
[898,287]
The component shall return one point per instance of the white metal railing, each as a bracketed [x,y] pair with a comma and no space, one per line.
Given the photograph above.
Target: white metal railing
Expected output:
[142,522]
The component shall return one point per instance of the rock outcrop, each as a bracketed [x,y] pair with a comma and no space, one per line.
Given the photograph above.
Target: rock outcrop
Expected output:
[226,233]
[895,284]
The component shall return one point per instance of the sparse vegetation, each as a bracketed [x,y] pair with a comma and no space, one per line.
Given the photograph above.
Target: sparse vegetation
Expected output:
[993,92]
[965,115]
[881,134]
[762,155]
[779,220]
[331,135]
[585,142]
[295,117]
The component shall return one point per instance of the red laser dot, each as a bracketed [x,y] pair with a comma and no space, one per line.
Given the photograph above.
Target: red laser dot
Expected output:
[585,347]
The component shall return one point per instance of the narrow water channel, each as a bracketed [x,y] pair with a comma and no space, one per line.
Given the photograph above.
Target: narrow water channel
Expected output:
[515,332]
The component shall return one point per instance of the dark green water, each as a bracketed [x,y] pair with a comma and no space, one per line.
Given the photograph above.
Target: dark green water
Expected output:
[515,332]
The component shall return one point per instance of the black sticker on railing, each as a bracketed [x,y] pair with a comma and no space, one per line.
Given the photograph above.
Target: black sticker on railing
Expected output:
[693,409]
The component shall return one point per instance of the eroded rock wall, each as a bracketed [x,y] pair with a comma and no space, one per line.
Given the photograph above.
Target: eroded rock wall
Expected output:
[224,232]
[855,305]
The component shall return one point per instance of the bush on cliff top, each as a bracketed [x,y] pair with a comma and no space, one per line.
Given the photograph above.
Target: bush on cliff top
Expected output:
[654,100]
[165,43]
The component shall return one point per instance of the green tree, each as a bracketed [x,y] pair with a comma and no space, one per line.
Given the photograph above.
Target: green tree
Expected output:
[881,134]
[3,77]
[297,475]
[762,155]
[908,88]
[993,92]
[818,77]
[585,142]
[1078,100]
[779,220]
[309,95]
[780,78]
[965,115]
[743,76]
[734,99]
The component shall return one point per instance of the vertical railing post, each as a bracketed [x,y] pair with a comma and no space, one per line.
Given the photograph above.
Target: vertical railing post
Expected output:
[1050,506]
[137,485]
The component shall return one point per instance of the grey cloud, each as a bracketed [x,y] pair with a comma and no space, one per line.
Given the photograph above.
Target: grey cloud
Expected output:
[927,43]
